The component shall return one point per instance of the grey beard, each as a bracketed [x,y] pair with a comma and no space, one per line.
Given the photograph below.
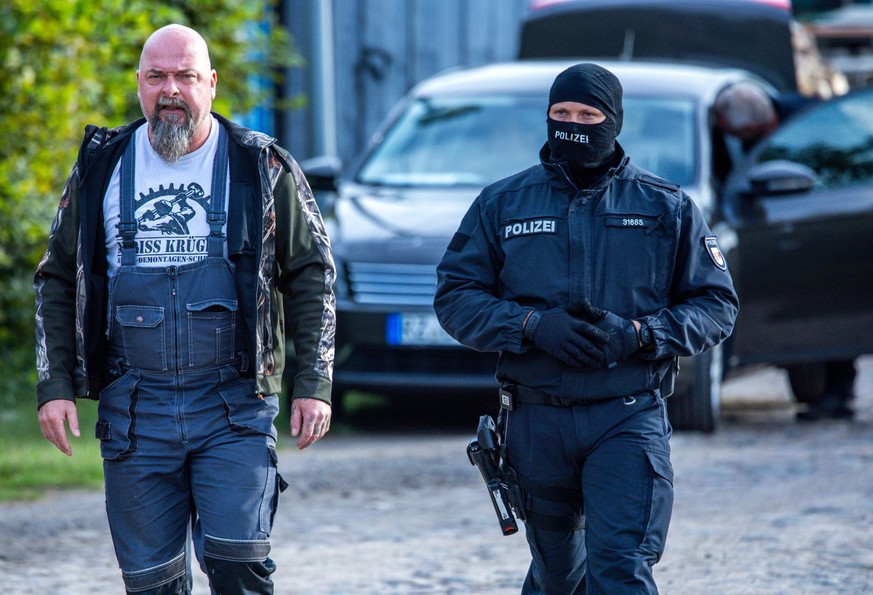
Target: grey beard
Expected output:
[171,139]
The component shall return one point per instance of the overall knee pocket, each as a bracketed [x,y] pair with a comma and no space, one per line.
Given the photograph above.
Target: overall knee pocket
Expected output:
[165,579]
[238,566]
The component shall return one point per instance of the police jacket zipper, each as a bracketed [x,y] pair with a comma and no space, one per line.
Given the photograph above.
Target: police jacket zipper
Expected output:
[580,248]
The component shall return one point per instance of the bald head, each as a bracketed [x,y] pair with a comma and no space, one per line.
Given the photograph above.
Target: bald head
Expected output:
[180,36]
[176,86]
[745,110]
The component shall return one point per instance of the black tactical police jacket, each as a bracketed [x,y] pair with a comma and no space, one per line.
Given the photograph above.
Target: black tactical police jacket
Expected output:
[630,243]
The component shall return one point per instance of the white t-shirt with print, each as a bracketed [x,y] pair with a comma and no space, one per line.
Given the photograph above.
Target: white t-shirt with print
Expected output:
[171,203]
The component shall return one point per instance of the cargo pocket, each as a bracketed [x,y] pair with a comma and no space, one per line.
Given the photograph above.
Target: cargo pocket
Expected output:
[211,331]
[661,503]
[247,412]
[116,418]
[143,334]
[274,487]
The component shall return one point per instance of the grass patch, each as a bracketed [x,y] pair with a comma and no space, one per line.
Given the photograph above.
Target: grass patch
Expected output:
[357,402]
[30,465]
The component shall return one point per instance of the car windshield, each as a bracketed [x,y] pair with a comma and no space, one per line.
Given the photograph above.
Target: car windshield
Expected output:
[455,141]
[835,141]
[473,141]
[660,135]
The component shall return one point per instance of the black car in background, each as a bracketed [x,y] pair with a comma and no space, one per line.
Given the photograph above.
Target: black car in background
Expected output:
[801,210]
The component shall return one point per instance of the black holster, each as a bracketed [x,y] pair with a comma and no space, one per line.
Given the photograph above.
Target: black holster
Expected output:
[485,452]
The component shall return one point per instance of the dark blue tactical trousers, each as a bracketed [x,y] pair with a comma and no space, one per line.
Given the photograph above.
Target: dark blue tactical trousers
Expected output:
[617,451]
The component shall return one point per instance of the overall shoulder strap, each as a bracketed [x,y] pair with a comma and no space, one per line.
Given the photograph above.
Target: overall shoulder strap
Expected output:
[127,222]
[217,214]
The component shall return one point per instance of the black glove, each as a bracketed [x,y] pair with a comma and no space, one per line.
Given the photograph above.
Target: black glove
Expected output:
[570,340]
[623,337]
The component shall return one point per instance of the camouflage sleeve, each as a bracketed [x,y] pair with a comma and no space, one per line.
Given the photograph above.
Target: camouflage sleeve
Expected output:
[306,278]
[60,374]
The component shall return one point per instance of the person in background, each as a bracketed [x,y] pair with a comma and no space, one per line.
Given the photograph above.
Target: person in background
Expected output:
[590,277]
[748,113]
[180,241]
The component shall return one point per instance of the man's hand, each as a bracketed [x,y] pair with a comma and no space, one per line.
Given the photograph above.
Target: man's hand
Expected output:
[570,340]
[52,419]
[622,333]
[311,419]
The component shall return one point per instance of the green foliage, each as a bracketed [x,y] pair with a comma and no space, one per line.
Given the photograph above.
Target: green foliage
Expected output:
[30,464]
[68,63]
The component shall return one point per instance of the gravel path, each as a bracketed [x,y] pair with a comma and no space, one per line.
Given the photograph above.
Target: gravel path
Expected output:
[764,505]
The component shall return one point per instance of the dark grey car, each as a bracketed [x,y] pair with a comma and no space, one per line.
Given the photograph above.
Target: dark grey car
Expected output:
[396,209]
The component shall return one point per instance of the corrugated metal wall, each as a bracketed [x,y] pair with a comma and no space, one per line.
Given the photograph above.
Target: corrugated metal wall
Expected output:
[381,48]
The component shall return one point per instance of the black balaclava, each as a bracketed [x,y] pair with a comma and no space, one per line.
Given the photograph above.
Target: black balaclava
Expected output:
[586,147]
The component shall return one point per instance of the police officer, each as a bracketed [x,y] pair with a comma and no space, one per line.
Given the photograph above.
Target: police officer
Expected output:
[590,277]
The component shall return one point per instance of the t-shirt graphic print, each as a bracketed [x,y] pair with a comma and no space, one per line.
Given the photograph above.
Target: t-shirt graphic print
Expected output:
[164,218]
[171,204]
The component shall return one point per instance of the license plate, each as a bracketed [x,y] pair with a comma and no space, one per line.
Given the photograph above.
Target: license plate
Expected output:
[416,329]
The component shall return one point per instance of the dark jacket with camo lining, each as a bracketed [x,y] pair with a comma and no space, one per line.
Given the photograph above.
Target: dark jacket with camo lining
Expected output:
[275,238]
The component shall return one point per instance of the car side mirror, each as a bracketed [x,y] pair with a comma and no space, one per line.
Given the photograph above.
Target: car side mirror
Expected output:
[322,173]
[780,177]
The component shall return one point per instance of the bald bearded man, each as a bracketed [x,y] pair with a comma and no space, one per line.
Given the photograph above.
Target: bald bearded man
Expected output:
[180,243]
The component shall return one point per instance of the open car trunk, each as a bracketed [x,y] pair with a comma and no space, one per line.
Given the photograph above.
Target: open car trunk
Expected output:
[750,34]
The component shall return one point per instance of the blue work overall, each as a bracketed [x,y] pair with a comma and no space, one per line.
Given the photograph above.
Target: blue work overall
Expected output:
[188,443]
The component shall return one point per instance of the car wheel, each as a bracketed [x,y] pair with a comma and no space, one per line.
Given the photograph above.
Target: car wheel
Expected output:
[695,404]
[808,381]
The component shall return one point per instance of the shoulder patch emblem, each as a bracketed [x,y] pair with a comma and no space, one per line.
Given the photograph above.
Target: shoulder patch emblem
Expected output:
[459,240]
[714,252]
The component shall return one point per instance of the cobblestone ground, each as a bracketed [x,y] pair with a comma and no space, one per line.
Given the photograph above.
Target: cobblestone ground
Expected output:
[763,505]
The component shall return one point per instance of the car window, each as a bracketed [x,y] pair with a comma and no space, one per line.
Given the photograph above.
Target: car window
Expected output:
[458,141]
[835,140]
[478,140]
[659,135]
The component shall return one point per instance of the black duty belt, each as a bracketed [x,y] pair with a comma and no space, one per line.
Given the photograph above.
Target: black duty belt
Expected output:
[512,395]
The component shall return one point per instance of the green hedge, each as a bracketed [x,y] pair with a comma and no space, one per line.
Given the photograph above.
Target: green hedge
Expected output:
[67,63]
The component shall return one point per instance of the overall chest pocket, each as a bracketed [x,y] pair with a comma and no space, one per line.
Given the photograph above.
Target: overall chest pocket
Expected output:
[143,336]
[638,259]
[212,331]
